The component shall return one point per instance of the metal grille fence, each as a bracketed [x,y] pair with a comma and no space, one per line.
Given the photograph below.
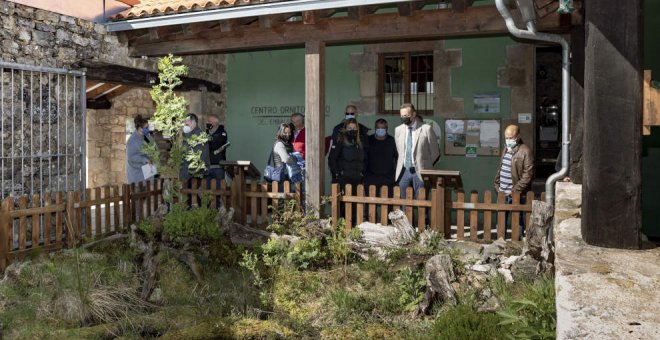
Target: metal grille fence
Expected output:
[43,130]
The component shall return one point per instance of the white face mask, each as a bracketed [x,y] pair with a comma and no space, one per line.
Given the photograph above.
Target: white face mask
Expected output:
[187,129]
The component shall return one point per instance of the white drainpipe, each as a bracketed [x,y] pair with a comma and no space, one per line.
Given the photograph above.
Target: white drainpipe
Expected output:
[532,34]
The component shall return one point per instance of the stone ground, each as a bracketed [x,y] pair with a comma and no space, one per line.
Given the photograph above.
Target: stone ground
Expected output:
[604,293]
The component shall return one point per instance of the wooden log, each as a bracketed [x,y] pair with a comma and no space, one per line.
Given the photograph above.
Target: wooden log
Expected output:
[314,123]
[439,274]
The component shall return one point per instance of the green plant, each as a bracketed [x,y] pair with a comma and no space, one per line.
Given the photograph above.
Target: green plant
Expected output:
[182,224]
[411,286]
[306,254]
[534,315]
[171,111]
[274,252]
[463,322]
[288,220]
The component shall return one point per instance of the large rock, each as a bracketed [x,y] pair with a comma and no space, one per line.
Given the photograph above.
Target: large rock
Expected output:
[439,274]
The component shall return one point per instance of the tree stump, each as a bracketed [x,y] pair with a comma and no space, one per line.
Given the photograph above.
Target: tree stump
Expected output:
[439,273]
[538,244]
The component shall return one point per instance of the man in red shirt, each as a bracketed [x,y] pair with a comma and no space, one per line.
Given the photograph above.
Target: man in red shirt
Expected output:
[298,141]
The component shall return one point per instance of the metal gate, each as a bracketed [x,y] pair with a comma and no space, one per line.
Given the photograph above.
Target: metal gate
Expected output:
[42,131]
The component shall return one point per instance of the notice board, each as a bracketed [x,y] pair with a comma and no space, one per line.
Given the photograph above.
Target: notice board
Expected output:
[472,137]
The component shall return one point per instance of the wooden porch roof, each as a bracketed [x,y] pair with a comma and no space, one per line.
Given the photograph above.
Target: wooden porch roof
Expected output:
[149,8]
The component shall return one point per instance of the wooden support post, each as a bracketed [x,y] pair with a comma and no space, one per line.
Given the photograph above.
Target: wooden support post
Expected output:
[611,191]
[314,124]
[5,225]
[577,104]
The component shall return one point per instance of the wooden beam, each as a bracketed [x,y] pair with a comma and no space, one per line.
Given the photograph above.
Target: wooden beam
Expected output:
[314,124]
[387,27]
[460,6]
[95,93]
[405,9]
[612,182]
[310,17]
[115,74]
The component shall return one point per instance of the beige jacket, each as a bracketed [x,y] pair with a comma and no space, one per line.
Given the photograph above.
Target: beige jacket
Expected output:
[426,151]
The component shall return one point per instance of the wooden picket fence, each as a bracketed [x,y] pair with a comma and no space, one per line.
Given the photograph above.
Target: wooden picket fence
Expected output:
[457,218]
[60,220]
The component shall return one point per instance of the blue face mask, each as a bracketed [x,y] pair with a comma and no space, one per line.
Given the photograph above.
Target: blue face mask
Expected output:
[381,132]
[145,131]
[510,143]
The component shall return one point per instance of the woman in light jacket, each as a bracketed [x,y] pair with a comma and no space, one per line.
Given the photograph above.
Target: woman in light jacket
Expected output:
[135,159]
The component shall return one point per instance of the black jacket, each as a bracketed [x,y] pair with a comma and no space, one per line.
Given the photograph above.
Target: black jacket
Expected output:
[216,140]
[347,160]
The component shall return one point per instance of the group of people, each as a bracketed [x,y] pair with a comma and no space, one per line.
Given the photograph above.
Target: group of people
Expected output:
[355,157]
[212,152]
[381,159]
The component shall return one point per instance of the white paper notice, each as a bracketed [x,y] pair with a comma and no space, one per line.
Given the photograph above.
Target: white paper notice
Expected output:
[490,134]
[454,126]
[149,170]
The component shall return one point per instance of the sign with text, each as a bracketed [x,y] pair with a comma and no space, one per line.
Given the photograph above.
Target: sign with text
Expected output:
[275,115]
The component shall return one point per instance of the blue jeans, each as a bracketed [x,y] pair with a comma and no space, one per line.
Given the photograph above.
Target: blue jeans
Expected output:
[508,199]
[409,179]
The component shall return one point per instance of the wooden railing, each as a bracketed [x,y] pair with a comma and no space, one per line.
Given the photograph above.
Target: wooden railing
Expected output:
[28,225]
[460,219]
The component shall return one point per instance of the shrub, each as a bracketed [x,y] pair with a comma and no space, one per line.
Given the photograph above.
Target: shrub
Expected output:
[463,322]
[183,223]
[534,315]
[411,286]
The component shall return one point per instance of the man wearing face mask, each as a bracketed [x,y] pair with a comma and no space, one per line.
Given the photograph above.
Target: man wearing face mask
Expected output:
[350,113]
[516,169]
[190,128]
[217,147]
[418,149]
[382,157]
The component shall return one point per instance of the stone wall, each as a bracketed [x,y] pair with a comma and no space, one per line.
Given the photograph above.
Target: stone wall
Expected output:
[106,137]
[41,38]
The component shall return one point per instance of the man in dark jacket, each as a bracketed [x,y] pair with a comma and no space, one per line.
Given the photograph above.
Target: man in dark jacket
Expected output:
[191,128]
[516,170]
[351,113]
[217,147]
[382,157]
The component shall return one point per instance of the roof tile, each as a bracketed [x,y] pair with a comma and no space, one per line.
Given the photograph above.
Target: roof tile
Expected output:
[149,8]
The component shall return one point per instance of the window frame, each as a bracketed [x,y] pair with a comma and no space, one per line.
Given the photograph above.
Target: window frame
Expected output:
[407,73]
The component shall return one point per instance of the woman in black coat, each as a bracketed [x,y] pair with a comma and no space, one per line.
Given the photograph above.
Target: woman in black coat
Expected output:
[347,157]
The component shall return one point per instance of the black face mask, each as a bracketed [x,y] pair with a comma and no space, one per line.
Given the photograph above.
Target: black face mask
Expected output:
[209,126]
[406,120]
[352,134]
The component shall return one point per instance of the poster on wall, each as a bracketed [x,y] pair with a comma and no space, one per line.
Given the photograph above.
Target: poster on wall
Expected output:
[486,102]
[472,138]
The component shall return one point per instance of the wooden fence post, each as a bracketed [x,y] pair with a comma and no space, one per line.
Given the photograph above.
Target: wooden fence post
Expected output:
[70,219]
[335,204]
[5,224]
[126,193]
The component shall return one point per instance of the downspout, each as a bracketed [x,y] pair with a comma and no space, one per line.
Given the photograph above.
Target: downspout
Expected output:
[532,34]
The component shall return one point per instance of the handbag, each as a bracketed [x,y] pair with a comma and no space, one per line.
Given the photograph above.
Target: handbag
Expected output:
[272,173]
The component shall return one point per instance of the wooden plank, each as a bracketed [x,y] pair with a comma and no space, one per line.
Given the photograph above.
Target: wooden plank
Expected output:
[360,206]
[474,216]
[384,208]
[214,195]
[253,203]
[348,207]
[127,204]
[36,210]
[372,207]
[5,227]
[47,219]
[314,122]
[88,214]
[194,186]
[22,226]
[115,209]
[433,211]
[58,219]
[360,28]
[77,232]
[36,221]
[391,201]
[264,203]
[488,216]
[150,199]
[421,213]
[97,216]
[335,204]
[70,219]
[460,217]
[275,188]
[515,217]
[501,217]
[408,205]
[107,212]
